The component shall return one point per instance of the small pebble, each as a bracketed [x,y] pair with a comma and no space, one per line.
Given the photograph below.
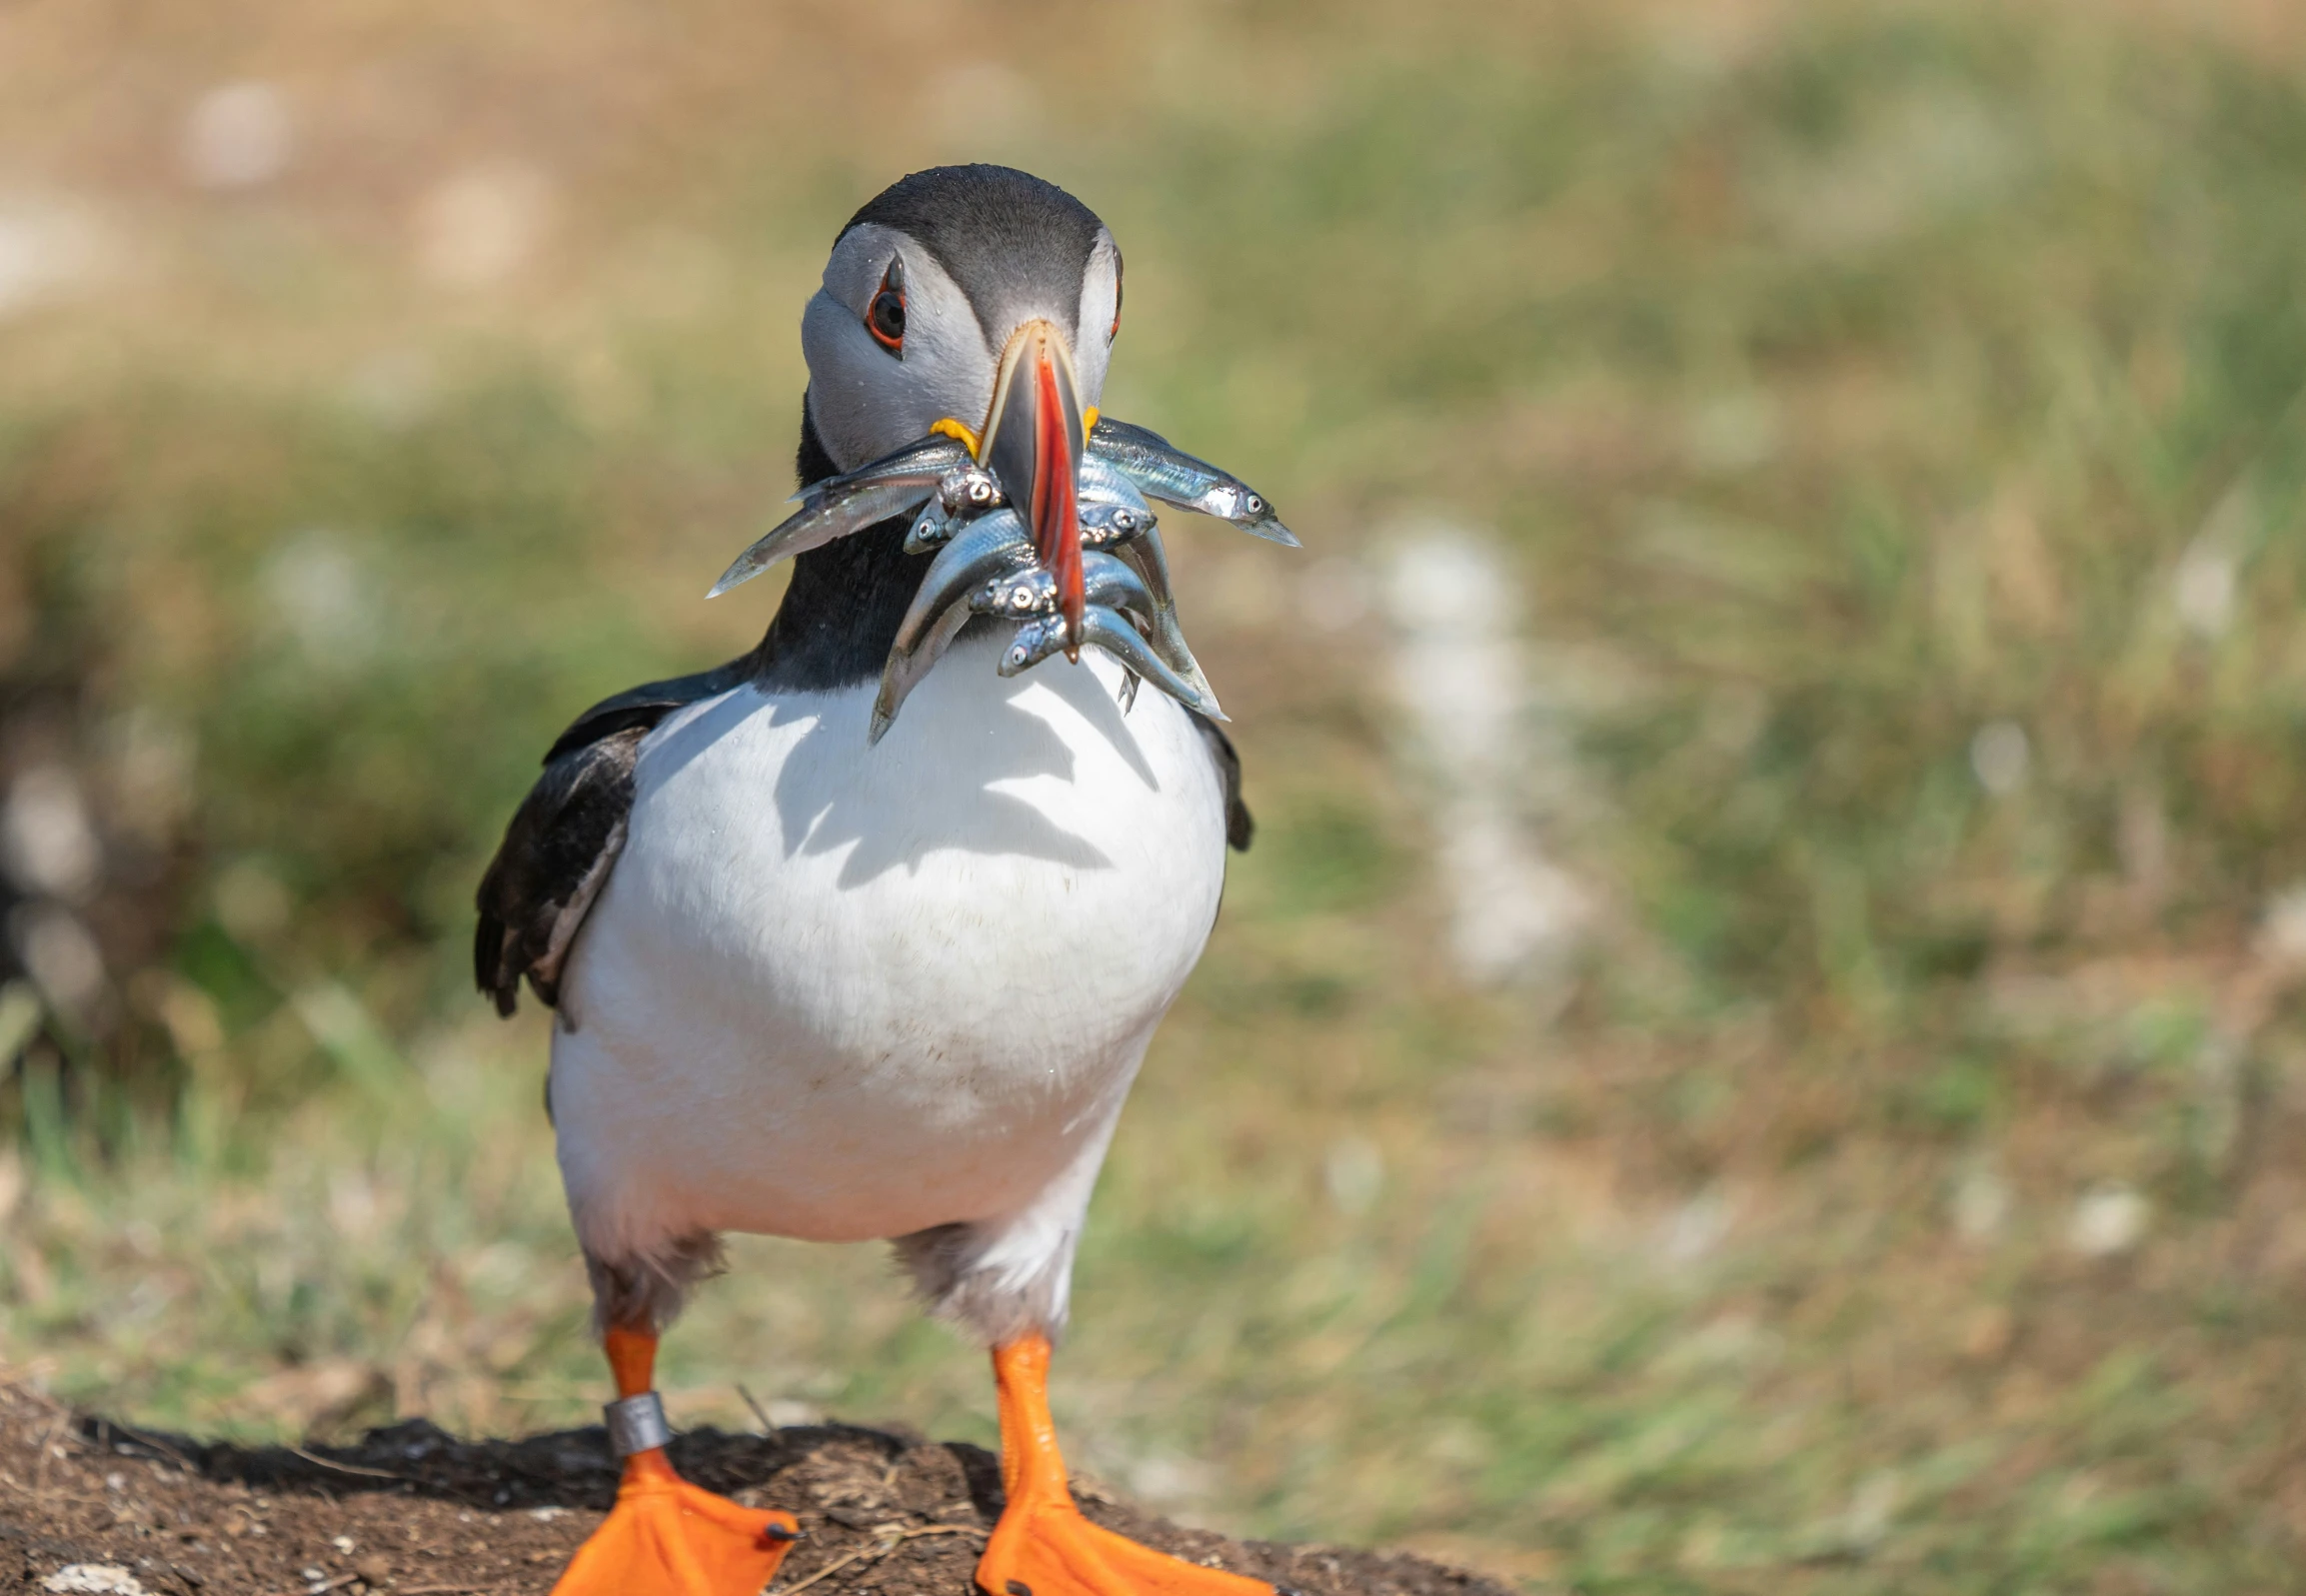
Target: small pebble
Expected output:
[2108,1220]
[374,1568]
[344,1544]
[93,1579]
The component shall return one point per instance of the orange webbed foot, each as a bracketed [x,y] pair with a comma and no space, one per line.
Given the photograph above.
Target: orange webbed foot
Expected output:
[1043,1545]
[1046,1548]
[666,1537]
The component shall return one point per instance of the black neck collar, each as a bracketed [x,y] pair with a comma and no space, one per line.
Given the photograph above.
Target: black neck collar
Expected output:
[841,609]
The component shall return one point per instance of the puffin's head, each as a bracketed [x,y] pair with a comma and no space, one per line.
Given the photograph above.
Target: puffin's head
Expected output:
[977,300]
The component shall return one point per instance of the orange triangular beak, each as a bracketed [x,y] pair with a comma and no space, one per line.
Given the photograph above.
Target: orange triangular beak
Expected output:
[1033,443]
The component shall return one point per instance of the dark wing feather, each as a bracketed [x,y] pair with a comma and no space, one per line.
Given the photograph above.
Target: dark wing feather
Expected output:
[647,703]
[555,858]
[1239,826]
[566,836]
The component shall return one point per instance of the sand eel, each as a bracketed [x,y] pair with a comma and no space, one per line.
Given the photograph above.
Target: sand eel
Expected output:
[842,977]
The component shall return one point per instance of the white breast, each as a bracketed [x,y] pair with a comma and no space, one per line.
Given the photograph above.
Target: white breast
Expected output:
[843,992]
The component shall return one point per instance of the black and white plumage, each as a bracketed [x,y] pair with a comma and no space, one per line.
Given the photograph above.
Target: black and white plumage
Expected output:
[819,987]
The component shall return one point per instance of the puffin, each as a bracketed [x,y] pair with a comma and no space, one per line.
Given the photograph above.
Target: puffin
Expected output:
[825,973]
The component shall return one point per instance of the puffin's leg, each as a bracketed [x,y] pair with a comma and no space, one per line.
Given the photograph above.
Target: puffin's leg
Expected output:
[1043,1546]
[1007,1280]
[666,1537]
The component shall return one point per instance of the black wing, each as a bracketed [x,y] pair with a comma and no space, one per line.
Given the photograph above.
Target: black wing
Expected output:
[1239,826]
[567,834]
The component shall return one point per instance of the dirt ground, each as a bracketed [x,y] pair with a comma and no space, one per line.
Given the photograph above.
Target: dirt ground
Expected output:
[413,1510]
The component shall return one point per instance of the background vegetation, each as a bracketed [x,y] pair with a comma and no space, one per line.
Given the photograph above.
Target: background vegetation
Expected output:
[1890,415]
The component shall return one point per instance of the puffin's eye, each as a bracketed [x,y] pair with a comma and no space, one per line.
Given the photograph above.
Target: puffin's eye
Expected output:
[884,317]
[1113,331]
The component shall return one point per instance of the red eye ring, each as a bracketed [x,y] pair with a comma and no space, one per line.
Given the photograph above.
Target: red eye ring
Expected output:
[884,316]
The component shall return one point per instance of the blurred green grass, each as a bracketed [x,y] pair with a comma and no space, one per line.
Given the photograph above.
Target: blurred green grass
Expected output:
[1892,414]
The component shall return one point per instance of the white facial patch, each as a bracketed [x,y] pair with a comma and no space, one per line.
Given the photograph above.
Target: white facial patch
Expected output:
[1099,306]
[867,400]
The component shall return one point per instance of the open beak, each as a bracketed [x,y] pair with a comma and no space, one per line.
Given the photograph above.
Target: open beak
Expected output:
[1033,443]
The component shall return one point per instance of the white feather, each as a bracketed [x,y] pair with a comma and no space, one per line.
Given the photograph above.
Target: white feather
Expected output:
[841,991]
[1098,317]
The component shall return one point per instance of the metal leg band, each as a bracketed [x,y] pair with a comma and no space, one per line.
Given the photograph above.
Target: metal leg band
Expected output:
[636,1424]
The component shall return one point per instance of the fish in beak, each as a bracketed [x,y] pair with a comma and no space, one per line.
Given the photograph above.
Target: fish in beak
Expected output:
[1034,438]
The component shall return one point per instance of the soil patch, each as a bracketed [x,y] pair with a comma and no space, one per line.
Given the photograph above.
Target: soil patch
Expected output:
[415,1511]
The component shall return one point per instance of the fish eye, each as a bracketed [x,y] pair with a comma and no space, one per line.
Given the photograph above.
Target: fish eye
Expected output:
[884,317]
[1254,505]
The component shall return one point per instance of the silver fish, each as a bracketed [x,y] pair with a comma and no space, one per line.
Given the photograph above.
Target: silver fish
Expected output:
[990,545]
[1104,525]
[1111,506]
[906,668]
[842,505]
[1106,581]
[1138,580]
[1103,482]
[1035,641]
[1174,476]
[968,491]
[924,462]
[816,524]
[1113,583]
[1043,635]
[1145,556]
[1032,591]
[932,529]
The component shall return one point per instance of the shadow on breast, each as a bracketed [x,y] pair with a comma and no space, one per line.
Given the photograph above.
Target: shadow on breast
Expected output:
[928,785]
